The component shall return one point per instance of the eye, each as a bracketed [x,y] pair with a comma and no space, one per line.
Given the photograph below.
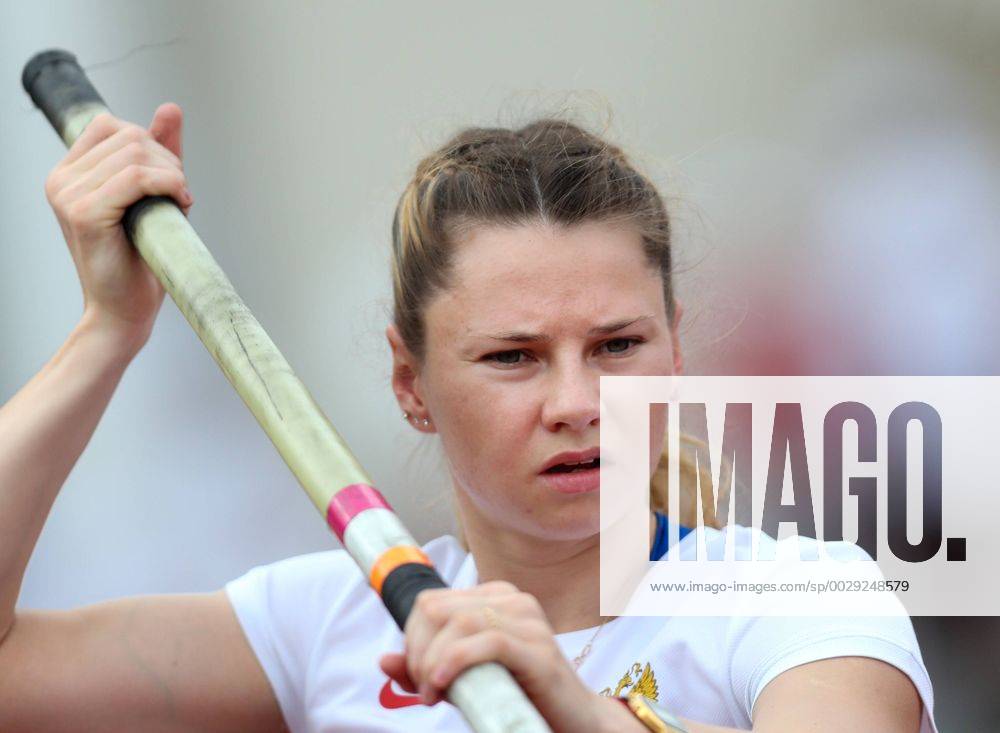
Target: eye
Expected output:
[620,346]
[507,358]
[516,357]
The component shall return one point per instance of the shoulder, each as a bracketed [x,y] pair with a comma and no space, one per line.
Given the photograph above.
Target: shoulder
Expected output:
[758,647]
[794,559]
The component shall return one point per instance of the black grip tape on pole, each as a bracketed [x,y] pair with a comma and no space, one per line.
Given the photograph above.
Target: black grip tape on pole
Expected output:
[400,588]
[56,83]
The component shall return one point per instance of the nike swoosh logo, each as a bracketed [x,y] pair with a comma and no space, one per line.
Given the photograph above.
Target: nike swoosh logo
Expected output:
[390,699]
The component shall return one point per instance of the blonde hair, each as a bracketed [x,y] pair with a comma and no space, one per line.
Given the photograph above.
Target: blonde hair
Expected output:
[551,171]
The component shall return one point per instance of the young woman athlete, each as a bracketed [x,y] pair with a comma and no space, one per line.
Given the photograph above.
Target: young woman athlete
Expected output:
[526,263]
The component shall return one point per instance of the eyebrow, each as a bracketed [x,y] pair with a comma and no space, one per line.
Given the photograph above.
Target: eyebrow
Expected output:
[522,337]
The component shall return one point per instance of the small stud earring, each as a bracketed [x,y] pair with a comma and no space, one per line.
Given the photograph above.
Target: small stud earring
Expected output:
[406,415]
[426,422]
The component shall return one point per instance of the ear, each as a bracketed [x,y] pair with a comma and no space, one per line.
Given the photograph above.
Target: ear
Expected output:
[675,338]
[406,381]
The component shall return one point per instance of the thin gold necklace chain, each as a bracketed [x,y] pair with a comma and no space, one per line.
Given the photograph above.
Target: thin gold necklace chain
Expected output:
[578,659]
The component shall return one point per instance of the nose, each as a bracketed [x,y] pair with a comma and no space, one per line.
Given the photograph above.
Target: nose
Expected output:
[572,399]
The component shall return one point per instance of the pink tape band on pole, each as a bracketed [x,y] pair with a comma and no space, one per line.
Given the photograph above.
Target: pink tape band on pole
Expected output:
[349,502]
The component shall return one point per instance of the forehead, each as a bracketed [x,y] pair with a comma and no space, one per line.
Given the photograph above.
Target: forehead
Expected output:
[547,279]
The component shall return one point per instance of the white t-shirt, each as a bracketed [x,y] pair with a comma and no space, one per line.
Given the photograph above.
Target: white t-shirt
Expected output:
[319,630]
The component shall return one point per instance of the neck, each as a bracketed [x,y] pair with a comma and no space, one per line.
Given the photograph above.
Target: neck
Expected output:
[540,567]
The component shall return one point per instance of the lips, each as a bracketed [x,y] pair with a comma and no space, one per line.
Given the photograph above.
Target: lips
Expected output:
[577,472]
[570,467]
[565,462]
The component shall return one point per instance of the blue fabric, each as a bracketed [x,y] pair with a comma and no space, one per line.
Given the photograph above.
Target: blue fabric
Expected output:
[661,538]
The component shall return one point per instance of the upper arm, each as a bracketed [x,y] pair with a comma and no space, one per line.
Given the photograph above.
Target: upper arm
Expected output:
[155,663]
[843,693]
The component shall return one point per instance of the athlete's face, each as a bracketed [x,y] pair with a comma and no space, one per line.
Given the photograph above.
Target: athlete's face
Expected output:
[515,347]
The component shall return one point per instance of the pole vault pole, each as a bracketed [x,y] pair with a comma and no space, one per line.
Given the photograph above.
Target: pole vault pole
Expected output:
[387,554]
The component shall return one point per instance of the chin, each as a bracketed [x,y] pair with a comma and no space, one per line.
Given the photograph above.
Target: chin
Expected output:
[575,519]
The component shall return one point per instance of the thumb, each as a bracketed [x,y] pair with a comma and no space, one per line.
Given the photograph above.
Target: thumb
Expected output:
[394,665]
[166,127]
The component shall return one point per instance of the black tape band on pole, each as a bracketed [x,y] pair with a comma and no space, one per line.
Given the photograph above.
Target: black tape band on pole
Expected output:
[56,84]
[400,588]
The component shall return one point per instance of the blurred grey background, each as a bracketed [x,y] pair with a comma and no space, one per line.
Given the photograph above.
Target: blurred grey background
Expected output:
[832,169]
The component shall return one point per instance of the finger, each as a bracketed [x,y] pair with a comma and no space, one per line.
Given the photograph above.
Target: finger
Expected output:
[524,631]
[394,665]
[448,598]
[487,646]
[145,153]
[167,127]
[462,624]
[124,136]
[495,587]
[130,185]
[98,129]
[435,608]
[431,611]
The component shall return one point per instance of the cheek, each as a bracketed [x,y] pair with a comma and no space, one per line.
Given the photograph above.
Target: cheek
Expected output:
[484,426]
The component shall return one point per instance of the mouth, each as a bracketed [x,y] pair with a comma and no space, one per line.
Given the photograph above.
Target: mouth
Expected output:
[574,466]
[578,473]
